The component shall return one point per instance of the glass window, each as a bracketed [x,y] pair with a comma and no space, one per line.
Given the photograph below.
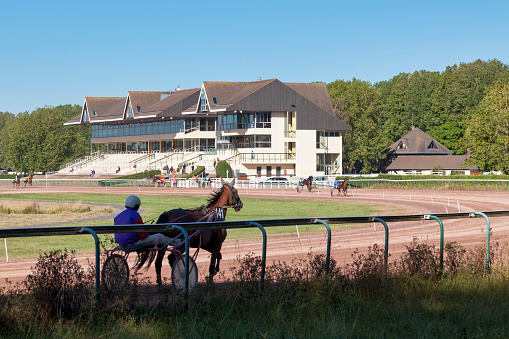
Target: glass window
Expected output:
[142,146]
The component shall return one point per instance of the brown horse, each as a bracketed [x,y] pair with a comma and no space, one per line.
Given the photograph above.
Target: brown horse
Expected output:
[340,186]
[27,181]
[209,240]
[16,183]
[306,182]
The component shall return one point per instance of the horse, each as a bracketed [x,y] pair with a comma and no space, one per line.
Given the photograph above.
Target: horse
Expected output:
[307,182]
[340,186]
[209,240]
[156,180]
[16,182]
[27,181]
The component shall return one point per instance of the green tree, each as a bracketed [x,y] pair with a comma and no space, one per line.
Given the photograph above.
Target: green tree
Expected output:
[39,141]
[357,103]
[6,119]
[487,131]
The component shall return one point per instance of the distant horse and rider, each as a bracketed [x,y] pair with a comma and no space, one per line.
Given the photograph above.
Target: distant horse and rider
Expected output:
[16,182]
[28,181]
[306,182]
[340,186]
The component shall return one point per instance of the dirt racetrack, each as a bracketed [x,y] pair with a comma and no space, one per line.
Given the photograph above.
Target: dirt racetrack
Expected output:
[467,232]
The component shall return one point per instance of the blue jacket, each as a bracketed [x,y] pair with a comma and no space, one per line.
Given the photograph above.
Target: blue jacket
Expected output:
[127,217]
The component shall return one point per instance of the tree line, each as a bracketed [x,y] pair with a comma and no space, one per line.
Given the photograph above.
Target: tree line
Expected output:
[39,141]
[465,107]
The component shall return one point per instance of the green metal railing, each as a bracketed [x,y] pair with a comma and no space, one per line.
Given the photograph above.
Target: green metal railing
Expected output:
[261,224]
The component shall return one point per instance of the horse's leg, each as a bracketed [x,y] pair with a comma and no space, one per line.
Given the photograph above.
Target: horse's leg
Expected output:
[159,264]
[219,257]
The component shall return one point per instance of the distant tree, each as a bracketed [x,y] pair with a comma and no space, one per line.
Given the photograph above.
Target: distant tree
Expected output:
[40,142]
[357,103]
[449,134]
[487,131]
[6,119]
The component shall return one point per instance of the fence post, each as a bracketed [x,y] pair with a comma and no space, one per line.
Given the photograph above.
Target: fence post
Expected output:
[329,236]
[264,250]
[186,259]
[97,257]
[386,251]
[441,238]
[487,239]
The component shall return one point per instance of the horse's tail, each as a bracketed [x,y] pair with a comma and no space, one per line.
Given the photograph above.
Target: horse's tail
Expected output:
[143,257]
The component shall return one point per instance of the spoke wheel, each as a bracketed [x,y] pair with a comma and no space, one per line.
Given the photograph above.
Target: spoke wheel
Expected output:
[115,273]
[178,272]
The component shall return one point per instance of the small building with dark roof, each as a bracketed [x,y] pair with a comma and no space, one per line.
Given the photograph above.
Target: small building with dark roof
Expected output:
[418,153]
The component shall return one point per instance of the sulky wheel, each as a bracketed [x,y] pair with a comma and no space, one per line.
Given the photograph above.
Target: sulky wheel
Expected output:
[115,273]
[297,189]
[178,273]
[332,192]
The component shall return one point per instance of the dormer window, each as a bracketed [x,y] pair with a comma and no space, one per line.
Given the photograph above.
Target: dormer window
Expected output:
[94,113]
[401,145]
[204,106]
[214,100]
[138,108]
[432,145]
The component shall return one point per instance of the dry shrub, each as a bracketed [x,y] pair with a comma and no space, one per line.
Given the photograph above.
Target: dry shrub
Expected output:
[420,259]
[367,272]
[59,285]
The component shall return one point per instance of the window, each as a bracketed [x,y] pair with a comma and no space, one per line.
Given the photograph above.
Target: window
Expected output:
[94,113]
[269,171]
[320,139]
[204,106]
[401,145]
[332,134]
[138,108]
[129,112]
[263,120]
[86,117]
[214,100]
[259,171]
[263,141]
[432,145]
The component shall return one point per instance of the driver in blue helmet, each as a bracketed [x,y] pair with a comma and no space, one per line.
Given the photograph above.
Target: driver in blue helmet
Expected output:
[131,216]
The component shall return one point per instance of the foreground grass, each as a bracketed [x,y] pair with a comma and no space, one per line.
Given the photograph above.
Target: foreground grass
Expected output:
[153,206]
[298,301]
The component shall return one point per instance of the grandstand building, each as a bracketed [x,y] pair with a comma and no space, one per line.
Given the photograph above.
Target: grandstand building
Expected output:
[262,128]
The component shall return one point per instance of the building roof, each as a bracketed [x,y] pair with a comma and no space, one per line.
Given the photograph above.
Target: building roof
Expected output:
[416,142]
[311,100]
[97,107]
[428,162]
[174,103]
[142,100]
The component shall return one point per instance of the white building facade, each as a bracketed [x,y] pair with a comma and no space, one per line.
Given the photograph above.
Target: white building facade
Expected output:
[262,128]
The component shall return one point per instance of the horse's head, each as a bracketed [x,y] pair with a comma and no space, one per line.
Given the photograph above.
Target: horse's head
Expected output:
[227,196]
[233,199]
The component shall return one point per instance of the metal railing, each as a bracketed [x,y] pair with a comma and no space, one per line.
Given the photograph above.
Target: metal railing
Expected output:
[261,224]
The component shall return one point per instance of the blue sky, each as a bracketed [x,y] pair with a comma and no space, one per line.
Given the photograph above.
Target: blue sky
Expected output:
[58,52]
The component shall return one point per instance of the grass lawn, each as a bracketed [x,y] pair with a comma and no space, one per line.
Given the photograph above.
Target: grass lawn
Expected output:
[153,206]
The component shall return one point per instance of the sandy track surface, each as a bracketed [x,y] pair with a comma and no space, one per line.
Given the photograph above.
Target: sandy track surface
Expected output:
[467,232]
